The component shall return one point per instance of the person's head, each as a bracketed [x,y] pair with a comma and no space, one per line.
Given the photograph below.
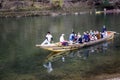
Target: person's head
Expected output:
[48,32]
[62,34]
[73,32]
[103,26]
[90,30]
[84,32]
[79,36]
[87,32]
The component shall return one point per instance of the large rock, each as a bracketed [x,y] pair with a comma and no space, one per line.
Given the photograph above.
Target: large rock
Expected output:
[16,4]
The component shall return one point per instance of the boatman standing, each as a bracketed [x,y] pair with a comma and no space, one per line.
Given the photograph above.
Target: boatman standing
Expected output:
[104,29]
[48,39]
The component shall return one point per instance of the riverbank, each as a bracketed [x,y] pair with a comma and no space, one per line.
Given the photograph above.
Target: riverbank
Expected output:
[5,13]
[30,8]
[39,13]
[27,13]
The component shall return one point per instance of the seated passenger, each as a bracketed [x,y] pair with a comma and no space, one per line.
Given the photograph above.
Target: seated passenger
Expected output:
[98,35]
[91,32]
[79,39]
[101,35]
[93,37]
[86,37]
[63,41]
[72,37]
[75,38]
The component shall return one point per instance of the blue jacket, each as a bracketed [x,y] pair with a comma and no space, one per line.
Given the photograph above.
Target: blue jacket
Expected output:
[71,37]
[104,29]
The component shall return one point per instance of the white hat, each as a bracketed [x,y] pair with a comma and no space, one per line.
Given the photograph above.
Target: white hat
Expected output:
[63,34]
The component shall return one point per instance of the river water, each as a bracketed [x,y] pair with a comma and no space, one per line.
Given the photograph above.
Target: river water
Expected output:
[21,60]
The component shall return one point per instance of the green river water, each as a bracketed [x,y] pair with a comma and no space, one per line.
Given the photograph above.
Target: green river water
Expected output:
[21,60]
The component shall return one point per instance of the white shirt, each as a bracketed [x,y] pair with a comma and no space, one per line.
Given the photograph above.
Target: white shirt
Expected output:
[104,34]
[62,38]
[49,37]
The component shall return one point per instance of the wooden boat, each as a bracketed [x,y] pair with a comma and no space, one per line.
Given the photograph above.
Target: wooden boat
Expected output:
[55,47]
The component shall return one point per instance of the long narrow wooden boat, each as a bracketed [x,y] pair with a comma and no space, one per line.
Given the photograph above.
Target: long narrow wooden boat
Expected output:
[55,47]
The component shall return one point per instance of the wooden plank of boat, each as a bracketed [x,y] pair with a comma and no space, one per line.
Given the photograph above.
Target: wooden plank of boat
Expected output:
[99,12]
[48,45]
[66,48]
[56,48]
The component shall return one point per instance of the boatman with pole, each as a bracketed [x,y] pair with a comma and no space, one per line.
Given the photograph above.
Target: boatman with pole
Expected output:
[48,39]
[104,29]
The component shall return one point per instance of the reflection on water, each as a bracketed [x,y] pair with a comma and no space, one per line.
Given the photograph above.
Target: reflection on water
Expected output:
[48,66]
[102,48]
[63,59]
[83,54]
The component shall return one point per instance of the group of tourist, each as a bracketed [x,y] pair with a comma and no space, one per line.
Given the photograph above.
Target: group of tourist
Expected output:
[78,38]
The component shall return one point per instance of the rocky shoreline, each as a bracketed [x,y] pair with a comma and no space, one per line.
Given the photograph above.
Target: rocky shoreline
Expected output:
[40,13]
[6,14]
[30,8]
